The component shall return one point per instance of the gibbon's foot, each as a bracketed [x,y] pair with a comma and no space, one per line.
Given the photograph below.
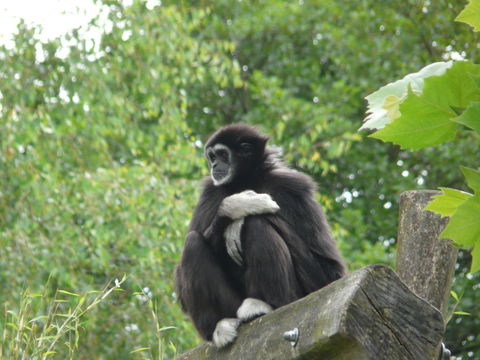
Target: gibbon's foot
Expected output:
[252,308]
[247,203]
[225,332]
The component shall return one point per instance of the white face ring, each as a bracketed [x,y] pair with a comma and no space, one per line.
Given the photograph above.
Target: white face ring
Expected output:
[228,177]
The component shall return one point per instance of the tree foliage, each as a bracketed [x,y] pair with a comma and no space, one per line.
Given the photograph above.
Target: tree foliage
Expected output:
[101,146]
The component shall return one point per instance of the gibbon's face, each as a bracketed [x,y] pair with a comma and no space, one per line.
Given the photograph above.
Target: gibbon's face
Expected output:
[221,163]
[227,164]
[233,152]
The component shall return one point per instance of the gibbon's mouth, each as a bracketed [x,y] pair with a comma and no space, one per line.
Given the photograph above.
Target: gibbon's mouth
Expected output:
[219,174]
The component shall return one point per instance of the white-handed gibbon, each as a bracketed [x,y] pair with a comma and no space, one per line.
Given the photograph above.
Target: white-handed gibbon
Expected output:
[258,239]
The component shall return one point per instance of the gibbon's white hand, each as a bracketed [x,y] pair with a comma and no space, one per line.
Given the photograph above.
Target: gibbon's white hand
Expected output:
[237,207]
[246,203]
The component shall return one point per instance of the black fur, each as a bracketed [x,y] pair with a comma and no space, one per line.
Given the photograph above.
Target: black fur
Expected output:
[287,255]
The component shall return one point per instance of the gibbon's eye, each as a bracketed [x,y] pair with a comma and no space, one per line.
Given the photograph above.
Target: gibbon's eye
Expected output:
[211,155]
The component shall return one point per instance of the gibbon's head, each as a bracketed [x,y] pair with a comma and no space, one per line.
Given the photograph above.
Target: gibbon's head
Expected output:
[233,152]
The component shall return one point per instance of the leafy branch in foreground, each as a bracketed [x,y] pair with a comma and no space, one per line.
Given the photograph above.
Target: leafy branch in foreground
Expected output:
[464,209]
[430,116]
[425,109]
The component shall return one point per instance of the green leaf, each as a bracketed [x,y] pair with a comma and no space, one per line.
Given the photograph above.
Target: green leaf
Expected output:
[475,257]
[35,295]
[462,313]
[167,328]
[456,88]
[471,15]
[464,225]
[67,293]
[426,118]
[41,317]
[421,124]
[139,349]
[470,117]
[454,295]
[446,203]
[383,104]
[473,178]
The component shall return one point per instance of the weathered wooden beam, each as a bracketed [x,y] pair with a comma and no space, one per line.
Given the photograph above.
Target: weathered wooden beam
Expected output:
[368,314]
[425,263]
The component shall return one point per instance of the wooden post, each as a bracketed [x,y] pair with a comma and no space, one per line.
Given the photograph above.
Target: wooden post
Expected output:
[368,314]
[425,263]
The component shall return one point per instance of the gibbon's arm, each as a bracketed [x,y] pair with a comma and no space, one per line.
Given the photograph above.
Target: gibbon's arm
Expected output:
[237,207]
[245,203]
[226,227]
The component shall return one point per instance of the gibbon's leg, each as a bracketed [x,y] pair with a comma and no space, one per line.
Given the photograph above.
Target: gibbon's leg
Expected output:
[269,276]
[205,293]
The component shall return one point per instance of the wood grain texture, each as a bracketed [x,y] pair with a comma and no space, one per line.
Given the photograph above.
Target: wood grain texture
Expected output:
[368,314]
[424,262]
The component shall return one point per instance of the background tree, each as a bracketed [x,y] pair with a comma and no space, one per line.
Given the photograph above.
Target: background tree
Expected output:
[101,146]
